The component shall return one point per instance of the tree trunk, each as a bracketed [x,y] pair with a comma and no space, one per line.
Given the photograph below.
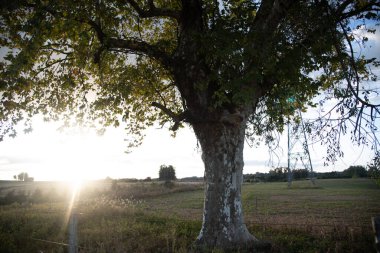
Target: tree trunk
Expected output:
[222,153]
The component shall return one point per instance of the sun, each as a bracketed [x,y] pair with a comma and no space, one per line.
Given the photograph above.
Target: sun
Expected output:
[72,157]
[76,185]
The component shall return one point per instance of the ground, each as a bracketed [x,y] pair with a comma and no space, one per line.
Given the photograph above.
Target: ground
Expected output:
[334,216]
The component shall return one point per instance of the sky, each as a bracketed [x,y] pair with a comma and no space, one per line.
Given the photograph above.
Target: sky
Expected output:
[47,154]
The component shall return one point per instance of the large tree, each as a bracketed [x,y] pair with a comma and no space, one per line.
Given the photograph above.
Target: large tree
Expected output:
[228,69]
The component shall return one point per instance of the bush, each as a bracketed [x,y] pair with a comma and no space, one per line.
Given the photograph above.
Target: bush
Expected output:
[14,197]
[169,184]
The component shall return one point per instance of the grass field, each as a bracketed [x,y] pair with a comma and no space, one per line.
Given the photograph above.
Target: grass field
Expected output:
[334,216]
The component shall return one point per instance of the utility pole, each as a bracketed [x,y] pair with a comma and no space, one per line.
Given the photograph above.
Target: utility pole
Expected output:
[298,149]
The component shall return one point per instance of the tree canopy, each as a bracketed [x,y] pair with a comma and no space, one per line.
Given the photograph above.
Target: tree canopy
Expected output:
[100,62]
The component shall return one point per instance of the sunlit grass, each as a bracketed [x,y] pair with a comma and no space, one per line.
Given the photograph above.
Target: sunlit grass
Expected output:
[143,217]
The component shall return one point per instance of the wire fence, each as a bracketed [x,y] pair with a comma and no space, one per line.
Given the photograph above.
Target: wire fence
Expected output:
[72,244]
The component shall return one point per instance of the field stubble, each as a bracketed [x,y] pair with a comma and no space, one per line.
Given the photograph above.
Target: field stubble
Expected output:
[153,217]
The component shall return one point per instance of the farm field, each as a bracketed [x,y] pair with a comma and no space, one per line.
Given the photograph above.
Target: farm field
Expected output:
[334,216]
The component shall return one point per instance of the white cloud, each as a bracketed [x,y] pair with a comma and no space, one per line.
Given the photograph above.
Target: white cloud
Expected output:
[371,48]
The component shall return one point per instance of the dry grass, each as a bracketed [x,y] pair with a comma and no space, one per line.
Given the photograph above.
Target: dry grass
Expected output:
[152,217]
[144,190]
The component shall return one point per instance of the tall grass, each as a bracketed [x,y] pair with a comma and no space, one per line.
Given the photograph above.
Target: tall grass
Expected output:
[334,217]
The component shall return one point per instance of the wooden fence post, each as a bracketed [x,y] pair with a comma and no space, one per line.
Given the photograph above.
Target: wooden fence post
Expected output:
[73,243]
[376,229]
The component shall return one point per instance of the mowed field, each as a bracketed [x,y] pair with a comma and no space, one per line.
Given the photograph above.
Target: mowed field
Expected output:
[334,216]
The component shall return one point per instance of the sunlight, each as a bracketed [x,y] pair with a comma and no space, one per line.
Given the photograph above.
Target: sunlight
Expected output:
[75,187]
[70,156]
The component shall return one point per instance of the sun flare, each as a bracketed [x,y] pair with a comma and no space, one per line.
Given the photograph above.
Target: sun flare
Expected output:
[76,185]
[72,157]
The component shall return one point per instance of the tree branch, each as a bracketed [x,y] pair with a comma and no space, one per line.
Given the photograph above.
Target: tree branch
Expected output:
[177,118]
[142,47]
[352,61]
[355,93]
[153,11]
[269,15]
[373,5]
[265,26]
[137,46]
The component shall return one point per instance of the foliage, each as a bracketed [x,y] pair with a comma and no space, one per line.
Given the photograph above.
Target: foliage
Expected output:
[331,175]
[166,173]
[374,168]
[148,179]
[356,171]
[300,174]
[280,175]
[23,176]
[98,63]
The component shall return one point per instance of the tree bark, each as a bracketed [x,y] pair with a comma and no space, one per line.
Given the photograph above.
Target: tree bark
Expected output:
[222,153]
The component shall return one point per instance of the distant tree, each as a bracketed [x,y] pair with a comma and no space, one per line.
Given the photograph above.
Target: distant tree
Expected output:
[167,173]
[356,171]
[300,173]
[374,168]
[259,177]
[249,178]
[278,174]
[22,176]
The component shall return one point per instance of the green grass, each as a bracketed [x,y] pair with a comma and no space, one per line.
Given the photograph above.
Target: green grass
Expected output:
[334,216]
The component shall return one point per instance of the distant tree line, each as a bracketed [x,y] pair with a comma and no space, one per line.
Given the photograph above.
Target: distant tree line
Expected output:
[23,176]
[167,173]
[276,175]
[280,174]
